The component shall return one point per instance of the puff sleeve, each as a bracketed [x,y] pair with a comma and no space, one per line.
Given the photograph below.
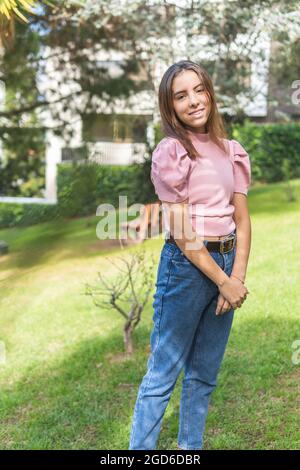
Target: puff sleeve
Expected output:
[241,168]
[170,168]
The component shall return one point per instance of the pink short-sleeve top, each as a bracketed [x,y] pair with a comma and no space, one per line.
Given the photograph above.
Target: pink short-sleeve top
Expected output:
[207,183]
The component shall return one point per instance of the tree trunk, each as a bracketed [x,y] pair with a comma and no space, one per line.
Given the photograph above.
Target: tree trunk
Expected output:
[128,338]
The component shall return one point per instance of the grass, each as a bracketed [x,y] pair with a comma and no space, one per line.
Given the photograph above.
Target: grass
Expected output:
[66,384]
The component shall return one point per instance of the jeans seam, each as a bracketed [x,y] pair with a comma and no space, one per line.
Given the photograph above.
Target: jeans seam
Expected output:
[189,397]
[185,427]
[186,423]
[160,313]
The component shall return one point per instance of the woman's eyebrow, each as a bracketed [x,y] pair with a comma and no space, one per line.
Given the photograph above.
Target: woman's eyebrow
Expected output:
[182,91]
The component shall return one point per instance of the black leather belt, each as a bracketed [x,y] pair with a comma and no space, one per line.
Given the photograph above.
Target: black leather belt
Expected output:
[222,246]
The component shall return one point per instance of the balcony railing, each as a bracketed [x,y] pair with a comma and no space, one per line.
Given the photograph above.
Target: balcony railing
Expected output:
[106,153]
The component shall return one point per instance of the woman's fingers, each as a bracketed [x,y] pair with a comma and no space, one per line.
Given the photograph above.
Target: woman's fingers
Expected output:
[221,301]
[222,306]
[226,307]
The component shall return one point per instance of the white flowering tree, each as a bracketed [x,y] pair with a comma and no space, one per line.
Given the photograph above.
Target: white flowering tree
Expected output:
[229,37]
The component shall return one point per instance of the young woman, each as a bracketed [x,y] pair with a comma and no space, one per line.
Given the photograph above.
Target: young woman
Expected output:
[202,180]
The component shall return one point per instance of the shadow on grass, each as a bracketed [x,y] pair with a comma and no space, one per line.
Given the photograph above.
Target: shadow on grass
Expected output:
[34,246]
[86,400]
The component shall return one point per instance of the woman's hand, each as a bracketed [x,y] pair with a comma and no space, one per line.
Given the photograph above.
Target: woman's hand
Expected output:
[223,305]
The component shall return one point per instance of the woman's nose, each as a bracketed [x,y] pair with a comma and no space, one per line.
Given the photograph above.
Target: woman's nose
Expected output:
[193,99]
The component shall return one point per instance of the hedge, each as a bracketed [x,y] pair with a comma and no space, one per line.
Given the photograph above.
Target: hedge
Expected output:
[274,151]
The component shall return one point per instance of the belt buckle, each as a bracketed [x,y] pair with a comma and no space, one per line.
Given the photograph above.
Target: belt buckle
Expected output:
[222,246]
[231,245]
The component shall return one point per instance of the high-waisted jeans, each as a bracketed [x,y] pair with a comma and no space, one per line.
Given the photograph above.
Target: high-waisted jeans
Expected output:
[187,334]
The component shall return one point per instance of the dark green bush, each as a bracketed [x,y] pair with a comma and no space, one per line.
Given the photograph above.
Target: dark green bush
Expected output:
[82,187]
[21,215]
[268,146]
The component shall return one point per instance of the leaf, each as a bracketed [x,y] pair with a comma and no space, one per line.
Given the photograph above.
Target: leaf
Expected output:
[27,5]
[10,7]
[4,10]
[20,15]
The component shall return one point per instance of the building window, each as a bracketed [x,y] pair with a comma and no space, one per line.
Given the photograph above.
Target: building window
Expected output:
[118,128]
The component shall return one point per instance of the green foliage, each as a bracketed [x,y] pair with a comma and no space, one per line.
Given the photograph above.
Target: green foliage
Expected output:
[81,188]
[19,66]
[22,166]
[22,171]
[268,146]
[77,189]
[158,132]
[285,65]
[21,215]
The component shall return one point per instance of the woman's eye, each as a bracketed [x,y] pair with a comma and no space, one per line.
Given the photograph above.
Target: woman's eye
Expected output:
[200,90]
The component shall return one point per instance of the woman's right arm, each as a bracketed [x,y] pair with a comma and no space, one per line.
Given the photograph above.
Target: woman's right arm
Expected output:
[191,244]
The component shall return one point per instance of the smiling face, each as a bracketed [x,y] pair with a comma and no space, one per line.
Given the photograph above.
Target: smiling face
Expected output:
[190,100]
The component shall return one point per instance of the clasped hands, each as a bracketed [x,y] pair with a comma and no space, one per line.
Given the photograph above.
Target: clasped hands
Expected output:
[223,305]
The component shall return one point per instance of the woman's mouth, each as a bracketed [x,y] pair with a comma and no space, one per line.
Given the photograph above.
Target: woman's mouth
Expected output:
[199,112]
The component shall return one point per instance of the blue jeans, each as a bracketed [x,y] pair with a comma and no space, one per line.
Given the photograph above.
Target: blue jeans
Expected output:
[186,334]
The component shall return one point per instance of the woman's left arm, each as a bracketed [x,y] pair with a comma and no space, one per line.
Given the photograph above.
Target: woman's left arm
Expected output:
[243,235]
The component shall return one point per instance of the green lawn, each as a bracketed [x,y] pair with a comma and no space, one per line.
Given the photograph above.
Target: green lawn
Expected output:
[65,384]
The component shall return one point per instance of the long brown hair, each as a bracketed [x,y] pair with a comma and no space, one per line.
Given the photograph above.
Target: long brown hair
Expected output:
[171,125]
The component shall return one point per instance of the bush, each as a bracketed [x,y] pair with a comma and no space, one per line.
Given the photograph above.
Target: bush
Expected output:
[22,168]
[76,189]
[21,215]
[268,146]
[82,187]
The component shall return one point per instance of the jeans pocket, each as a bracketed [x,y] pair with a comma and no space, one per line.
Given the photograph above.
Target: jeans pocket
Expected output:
[183,268]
